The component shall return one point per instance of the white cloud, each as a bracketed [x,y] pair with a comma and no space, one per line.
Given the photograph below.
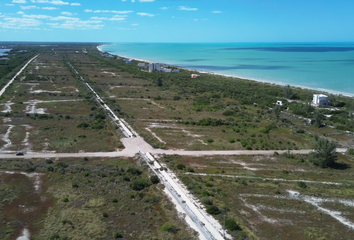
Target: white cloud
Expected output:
[28,7]
[146,14]
[116,19]
[112,11]
[20,12]
[67,13]
[63,18]
[75,4]
[10,4]
[120,16]
[54,2]
[187,8]
[36,16]
[146,0]
[19,1]
[49,8]
[164,8]
[216,11]
[135,24]
[88,10]
[99,18]
[78,24]
[20,23]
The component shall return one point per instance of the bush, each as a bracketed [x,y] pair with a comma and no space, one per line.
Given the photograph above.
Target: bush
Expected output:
[48,161]
[228,113]
[154,179]
[114,200]
[206,201]
[213,210]
[138,185]
[231,225]
[66,199]
[134,171]
[350,151]
[169,227]
[105,215]
[210,140]
[302,185]
[82,125]
[117,235]
[180,166]
[231,140]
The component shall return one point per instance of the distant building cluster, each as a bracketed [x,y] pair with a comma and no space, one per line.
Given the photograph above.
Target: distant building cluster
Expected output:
[157,67]
[107,55]
[195,76]
[320,99]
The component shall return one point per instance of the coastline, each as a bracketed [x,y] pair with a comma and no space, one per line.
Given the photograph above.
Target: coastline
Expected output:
[322,90]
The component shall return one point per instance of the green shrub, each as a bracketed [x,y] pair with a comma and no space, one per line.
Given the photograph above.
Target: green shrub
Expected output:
[114,200]
[138,185]
[169,227]
[213,210]
[66,199]
[117,235]
[231,225]
[83,125]
[180,166]
[206,201]
[302,185]
[228,113]
[231,140]
[210,140]
[154,179]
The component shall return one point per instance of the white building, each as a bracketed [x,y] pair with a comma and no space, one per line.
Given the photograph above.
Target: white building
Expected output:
[175,70]
[154,67]
[195,76]
[320,99]
[141,65]
[280,103]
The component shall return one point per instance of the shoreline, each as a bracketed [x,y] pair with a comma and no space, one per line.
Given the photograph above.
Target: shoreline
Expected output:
[323,90]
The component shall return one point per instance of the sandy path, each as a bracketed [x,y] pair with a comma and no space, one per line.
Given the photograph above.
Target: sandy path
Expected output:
[18,73]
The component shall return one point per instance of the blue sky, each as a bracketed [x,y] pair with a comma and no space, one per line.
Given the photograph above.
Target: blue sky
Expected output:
[177,21]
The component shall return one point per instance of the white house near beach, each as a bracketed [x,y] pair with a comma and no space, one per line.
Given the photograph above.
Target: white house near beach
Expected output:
[320,99]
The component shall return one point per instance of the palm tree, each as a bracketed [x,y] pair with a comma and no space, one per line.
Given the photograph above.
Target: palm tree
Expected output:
[324,154]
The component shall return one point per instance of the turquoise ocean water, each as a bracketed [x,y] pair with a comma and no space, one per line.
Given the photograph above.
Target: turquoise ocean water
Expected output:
[326,67]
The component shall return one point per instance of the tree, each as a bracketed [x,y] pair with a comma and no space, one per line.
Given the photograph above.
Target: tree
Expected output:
[319,118]
[277,111]
[159,82]
[288,92]
[324,154]
[155,179]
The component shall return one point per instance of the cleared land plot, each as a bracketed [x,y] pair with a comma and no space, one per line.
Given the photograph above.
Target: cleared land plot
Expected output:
[273,196]
[80,199]
[52,107]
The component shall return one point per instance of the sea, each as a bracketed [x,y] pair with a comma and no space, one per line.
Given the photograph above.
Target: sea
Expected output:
[327,67]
